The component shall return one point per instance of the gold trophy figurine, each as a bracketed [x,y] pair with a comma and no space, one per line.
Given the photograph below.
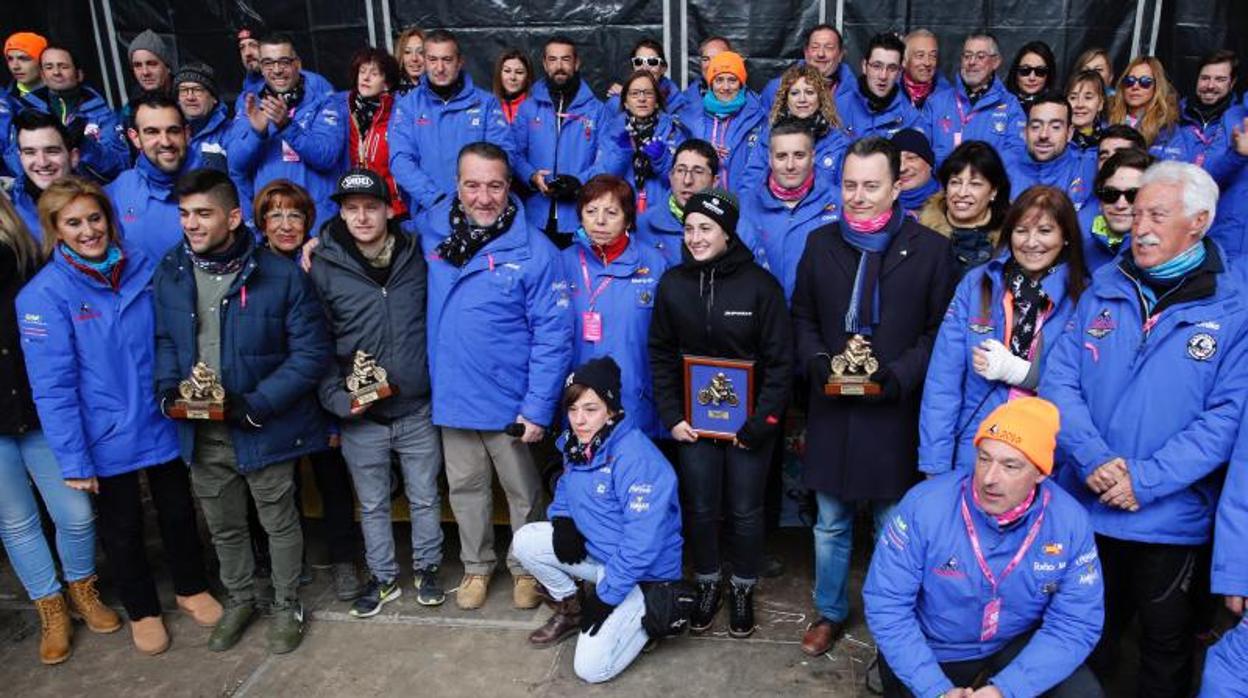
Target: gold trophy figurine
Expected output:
[367,382]
[852,368]
[201,396]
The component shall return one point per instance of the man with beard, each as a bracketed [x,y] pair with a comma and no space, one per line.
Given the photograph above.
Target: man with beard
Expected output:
[147,207]
[556,136]
[1047,158]
[921,77]
[195,85]
[152,65]
[46,154]
[874,105]
[979,107]
[824,48]
[249,56]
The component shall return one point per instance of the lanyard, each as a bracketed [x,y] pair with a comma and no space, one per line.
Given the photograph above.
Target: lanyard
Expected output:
[1018,556]
[602,286]
[962,115]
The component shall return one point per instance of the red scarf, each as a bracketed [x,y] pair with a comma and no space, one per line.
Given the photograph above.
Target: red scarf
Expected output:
[610,252]
[371,150]
[796,193]
[918,91]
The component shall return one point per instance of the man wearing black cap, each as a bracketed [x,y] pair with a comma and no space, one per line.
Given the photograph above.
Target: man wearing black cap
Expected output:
[917,159]
[195,85]
[371,278]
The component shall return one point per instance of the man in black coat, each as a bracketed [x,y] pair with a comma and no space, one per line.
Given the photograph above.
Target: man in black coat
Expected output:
[879,275]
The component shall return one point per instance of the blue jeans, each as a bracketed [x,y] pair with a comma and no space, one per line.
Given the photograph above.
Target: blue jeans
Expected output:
[20,529]
[834,542]
[366,446]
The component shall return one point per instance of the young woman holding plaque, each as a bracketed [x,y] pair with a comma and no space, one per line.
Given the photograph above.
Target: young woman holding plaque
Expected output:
[102,421]
[1004,317]
[718,303]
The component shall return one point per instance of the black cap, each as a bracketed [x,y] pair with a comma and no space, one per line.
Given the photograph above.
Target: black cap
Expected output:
[718,205]
[912,140]
[603,377]
[361,182]
[201,73]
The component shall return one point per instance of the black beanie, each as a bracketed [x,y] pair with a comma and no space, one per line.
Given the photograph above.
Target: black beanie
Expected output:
[912,140]
[603,377]
[718,205]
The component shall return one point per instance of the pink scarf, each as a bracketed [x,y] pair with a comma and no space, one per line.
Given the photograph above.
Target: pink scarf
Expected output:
[796,193]
[1012,515]
[918,91]
[868,225]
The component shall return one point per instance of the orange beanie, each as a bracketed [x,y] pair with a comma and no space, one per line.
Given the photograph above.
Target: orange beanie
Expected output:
[726,62]
[29,43]
[1029,424]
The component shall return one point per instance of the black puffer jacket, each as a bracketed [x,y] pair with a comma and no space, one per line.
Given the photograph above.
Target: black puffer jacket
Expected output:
[17,410]
[727,308]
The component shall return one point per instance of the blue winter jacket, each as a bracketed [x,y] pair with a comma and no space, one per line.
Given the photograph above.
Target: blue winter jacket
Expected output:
[735,138]
[624,305]
[209,146]
[956,398]
[861,122]
[846,80]
[307,151]
[500,330]
[533,132]
[274,350]
[26,206]
[626,503]
[426,134]
[660,230]
[103,152]
[1096,250]
[777,234]
[829,156]
[90,355]
[996,119]
[1168,401]
[615,160]
[1230,564]
[147,207]
[1073,172]
[10,165]
[925,593]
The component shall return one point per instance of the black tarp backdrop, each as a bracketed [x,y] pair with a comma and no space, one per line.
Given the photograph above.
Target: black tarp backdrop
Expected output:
[768,31]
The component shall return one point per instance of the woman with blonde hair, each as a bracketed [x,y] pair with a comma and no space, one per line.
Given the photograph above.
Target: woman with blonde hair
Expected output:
[409,51]
[803,98]
[1145,99]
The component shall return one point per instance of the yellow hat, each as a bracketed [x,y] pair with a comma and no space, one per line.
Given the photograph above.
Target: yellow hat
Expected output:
[1029,424]
[726,62]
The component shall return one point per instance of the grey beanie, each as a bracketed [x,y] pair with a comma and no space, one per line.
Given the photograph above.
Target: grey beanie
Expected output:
[151,41]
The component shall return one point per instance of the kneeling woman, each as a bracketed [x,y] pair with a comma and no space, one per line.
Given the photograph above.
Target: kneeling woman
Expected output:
[614,521]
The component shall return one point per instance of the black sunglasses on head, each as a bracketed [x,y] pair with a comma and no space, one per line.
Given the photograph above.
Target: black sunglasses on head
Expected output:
[1110,195]
[1029,70]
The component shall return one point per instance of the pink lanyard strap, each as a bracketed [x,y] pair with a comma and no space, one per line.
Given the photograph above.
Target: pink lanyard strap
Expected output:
[962,115]
[1200,136]
[602,286]
[1018,556]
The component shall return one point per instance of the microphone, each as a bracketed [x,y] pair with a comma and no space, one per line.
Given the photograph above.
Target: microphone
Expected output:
[515,429]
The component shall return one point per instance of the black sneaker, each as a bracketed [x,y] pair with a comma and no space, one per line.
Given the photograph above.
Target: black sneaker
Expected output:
[741,613]
[707,605]
[428,588]
[376,594]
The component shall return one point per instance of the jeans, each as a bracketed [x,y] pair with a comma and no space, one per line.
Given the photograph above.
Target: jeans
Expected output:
[120,527]
[27,458]
[620,639]
[367,445]
[834,542]
[710,473]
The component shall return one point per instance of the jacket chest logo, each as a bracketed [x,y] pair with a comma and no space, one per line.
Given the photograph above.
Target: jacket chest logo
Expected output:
[951,569]
[86,312]
[980,325]
[1202,346]
[1102,325]
[423,120]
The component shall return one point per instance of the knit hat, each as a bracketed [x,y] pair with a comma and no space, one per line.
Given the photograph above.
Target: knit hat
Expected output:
[725,62]
[361,182]
[718,205]
[912,140]
[151,41]
[201,73]
[1029,424]
[29,43]
[603,377]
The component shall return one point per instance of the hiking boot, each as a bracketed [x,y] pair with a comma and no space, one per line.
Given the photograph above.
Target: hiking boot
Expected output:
[472,591]
[150,636]
[524,592]
[376,594]
[286,631]
[428,588]
[565,622]
[84,601]
[706,604]
[229,630]
[55,629]
[202,608]
[741,612]
[347,586]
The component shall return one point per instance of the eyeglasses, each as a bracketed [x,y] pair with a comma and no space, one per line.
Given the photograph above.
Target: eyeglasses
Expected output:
[191,91]
[1110,195]
[270,63]
[647,61]
[1040,71]
[980,56]
[1143,81]
[878,67]
[681,171]
[285,216]
[640,94]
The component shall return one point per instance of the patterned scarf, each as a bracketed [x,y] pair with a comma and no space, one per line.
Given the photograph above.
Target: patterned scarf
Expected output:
[467,238]
[797,193]
[816,123]
[918,91]
[578,453]
[364,109]
[863,313]
[1029,301]
[227,262]
[293,98]
[107,270]
[642,132]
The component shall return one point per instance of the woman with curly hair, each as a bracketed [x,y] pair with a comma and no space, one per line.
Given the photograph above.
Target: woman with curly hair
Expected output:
[803,98]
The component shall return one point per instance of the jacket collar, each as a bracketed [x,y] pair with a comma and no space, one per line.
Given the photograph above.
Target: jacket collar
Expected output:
[604,454]
[584,97]
[622,267]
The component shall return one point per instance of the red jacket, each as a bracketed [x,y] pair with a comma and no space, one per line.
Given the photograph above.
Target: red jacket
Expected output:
[371,149]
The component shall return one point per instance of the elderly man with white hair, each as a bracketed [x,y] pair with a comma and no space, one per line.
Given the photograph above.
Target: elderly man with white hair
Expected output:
[1150,378]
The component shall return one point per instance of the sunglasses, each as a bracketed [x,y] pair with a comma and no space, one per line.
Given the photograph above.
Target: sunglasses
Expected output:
[1131,81]
[647,61]
[1110,195]
[1041,71]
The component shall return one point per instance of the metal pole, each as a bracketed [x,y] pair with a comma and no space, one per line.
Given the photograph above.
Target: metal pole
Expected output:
[840,16]
[667,30]
[684,44]
[1135,36]
[823,11]
[1152,43]
[387,25]
[372,27]
[112,42]
[99,48]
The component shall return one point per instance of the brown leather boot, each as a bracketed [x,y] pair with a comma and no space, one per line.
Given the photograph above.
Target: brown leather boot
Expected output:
[56,629]
[84,599]
[564,623]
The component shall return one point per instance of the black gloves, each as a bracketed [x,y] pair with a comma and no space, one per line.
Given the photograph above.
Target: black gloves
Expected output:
[568,542]
[594,612]
[757,430]
[167,400]
[239,413]
[564,187]
[890,389]
[818,370]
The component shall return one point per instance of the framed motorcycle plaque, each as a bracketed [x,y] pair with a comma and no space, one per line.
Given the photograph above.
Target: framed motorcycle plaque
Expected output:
[719,395]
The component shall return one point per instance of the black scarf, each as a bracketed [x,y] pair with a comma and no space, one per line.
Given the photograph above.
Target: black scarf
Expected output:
[228,261]
[563,95]
[816,123]
[71,98]
[642,132]
[971,247]
[32,189]
[876,103]
[578,453]
[466,238]
[446,92]
[1086,141]
[975,95]
[293,98]
[1029,301]
[364,109]
[1207,114]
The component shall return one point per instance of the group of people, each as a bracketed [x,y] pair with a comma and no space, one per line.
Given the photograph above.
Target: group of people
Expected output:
[1043,283]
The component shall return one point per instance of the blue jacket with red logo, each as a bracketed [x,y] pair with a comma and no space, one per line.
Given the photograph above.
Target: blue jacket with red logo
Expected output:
[1166,396]
[1073,172]
[860,121]
[533,132]
[103,152]
[829,156]
[777,234]
[996,118]
[926,595]
[659,229]
[147,208]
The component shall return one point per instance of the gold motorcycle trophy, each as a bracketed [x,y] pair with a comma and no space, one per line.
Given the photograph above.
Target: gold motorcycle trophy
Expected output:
[852,368]
[201,396]
[367,382]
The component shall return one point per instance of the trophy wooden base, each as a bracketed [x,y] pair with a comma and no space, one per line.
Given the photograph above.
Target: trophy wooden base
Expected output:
[371,394]
[206,410]
[850,386]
